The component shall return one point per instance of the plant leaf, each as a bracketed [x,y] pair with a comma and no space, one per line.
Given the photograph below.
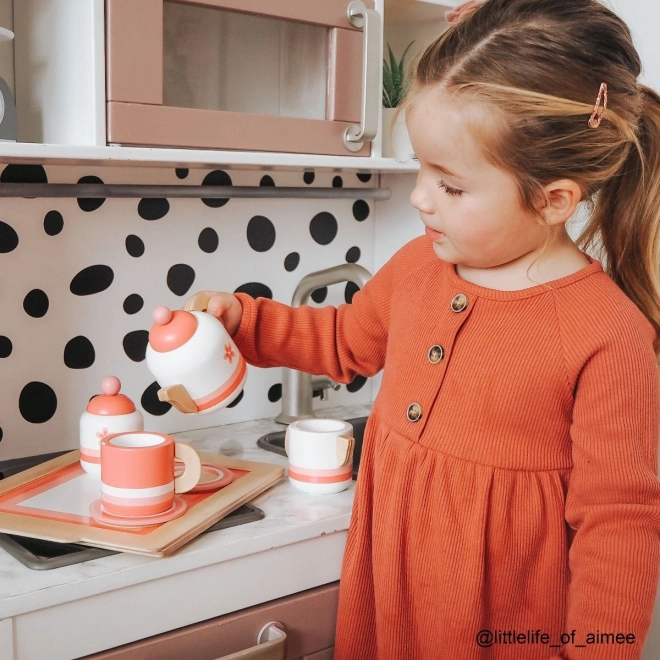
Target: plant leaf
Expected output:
[393,64]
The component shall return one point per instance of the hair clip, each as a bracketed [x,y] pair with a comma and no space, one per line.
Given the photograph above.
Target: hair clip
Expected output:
[599,110]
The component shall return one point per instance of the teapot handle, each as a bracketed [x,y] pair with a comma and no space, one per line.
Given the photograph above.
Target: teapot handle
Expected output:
[197,303]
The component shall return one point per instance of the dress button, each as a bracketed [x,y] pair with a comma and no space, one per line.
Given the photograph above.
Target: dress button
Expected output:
[459,302]
[414,412]
[436,353]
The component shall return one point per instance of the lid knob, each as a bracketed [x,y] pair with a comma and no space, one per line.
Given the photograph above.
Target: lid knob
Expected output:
[162,315]
[110,385]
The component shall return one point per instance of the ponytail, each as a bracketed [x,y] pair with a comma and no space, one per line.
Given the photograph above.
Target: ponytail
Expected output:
[625,222]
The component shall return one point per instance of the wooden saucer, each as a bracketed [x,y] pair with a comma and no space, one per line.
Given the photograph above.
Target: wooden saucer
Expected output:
[99,514]
[213,477]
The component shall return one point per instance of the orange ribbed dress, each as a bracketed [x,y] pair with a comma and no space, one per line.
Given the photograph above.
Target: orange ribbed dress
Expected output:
[508,481]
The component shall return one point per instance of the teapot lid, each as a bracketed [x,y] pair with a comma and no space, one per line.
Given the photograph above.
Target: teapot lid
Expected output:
[171,330]
[110,402]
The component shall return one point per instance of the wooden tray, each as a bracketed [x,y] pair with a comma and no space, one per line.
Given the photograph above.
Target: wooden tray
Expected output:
[51,501]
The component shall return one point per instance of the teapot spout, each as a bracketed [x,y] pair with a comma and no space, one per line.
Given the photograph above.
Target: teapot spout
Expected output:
[178,396]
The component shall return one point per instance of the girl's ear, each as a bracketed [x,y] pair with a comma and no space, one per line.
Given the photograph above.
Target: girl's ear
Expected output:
[562,197]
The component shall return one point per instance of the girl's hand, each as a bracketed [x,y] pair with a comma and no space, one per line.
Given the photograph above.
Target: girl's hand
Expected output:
[462,11]
[222,305]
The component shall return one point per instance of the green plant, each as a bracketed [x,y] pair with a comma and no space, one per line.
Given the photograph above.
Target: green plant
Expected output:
[394,79]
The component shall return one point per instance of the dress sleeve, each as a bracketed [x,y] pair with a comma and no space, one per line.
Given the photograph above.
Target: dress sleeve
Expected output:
[339,342]
[613,500]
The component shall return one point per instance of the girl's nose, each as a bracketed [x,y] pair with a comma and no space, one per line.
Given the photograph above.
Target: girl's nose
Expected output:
[420,199]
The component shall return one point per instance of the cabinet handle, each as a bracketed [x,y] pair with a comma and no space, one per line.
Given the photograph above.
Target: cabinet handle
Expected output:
[372,74]
[271,645]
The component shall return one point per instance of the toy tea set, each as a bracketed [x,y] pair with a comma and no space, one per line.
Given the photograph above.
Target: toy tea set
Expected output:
[200,370]
[141,473]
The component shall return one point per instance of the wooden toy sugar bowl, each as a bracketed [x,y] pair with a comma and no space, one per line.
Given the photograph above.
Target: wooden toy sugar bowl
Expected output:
[194,360]
[106,413]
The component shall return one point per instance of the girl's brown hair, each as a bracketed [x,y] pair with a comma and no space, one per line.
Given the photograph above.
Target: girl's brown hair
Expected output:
[541,63]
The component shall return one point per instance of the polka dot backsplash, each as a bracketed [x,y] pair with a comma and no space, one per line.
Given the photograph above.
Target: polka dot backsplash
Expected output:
[79,279]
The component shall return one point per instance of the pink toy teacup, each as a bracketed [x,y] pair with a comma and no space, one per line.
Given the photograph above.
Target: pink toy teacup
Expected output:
[137,473]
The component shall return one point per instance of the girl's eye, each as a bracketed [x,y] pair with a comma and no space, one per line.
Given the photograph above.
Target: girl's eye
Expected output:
[448,189]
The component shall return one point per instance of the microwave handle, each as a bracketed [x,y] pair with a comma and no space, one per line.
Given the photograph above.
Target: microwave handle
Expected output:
[372,74]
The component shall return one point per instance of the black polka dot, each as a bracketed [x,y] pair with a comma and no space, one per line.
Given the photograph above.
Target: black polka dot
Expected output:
[133,303]
[255,289]
[360,210]
[1,434]
[353,255]
[180,278]
[216,178]
[134,245]
[308,177]
[79,353]
[6,346]
[275,393]
[260,233]
[24,174]
[350,290]
[319,295]
[37,402]
[291,261]
[93,203]
[266,181]
[135,345]
[356,384]
[36,303]
[337,182]
[181,172]
[208,240]
[91,280]
[8,238]
[237,400]
[53,223]
[151,403]
[323,228]
[364,176]
[153,208]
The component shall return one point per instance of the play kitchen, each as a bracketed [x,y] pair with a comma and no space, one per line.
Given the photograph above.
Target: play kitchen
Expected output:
[262,189]
[146,493]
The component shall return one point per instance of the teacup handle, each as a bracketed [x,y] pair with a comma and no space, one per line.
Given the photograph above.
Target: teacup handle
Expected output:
[345,446]
[192,472]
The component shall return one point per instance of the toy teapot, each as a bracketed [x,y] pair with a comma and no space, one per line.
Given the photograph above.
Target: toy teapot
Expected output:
[107,413]
[194,360]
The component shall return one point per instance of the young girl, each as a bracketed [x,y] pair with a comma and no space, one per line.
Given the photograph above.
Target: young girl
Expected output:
[508,504]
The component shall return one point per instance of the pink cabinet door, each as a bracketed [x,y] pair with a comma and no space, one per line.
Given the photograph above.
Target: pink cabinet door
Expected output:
[309,619]
[256,75]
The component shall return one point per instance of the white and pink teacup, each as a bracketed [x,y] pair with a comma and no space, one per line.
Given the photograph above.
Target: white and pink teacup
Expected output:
[137,473]
[320,455]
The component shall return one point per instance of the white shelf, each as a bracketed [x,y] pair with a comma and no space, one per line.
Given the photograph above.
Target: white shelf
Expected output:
[59,154]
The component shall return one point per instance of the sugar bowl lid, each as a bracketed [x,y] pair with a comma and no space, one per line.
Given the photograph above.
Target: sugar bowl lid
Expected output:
[110,402]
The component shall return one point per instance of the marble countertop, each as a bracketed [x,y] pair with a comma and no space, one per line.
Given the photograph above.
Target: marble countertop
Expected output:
[291,516]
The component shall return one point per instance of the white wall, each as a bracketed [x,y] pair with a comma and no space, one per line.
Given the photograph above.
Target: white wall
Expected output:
[643,18]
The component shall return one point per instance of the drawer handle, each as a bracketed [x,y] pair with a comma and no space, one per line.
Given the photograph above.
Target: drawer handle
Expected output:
[372,74]
[271,645]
